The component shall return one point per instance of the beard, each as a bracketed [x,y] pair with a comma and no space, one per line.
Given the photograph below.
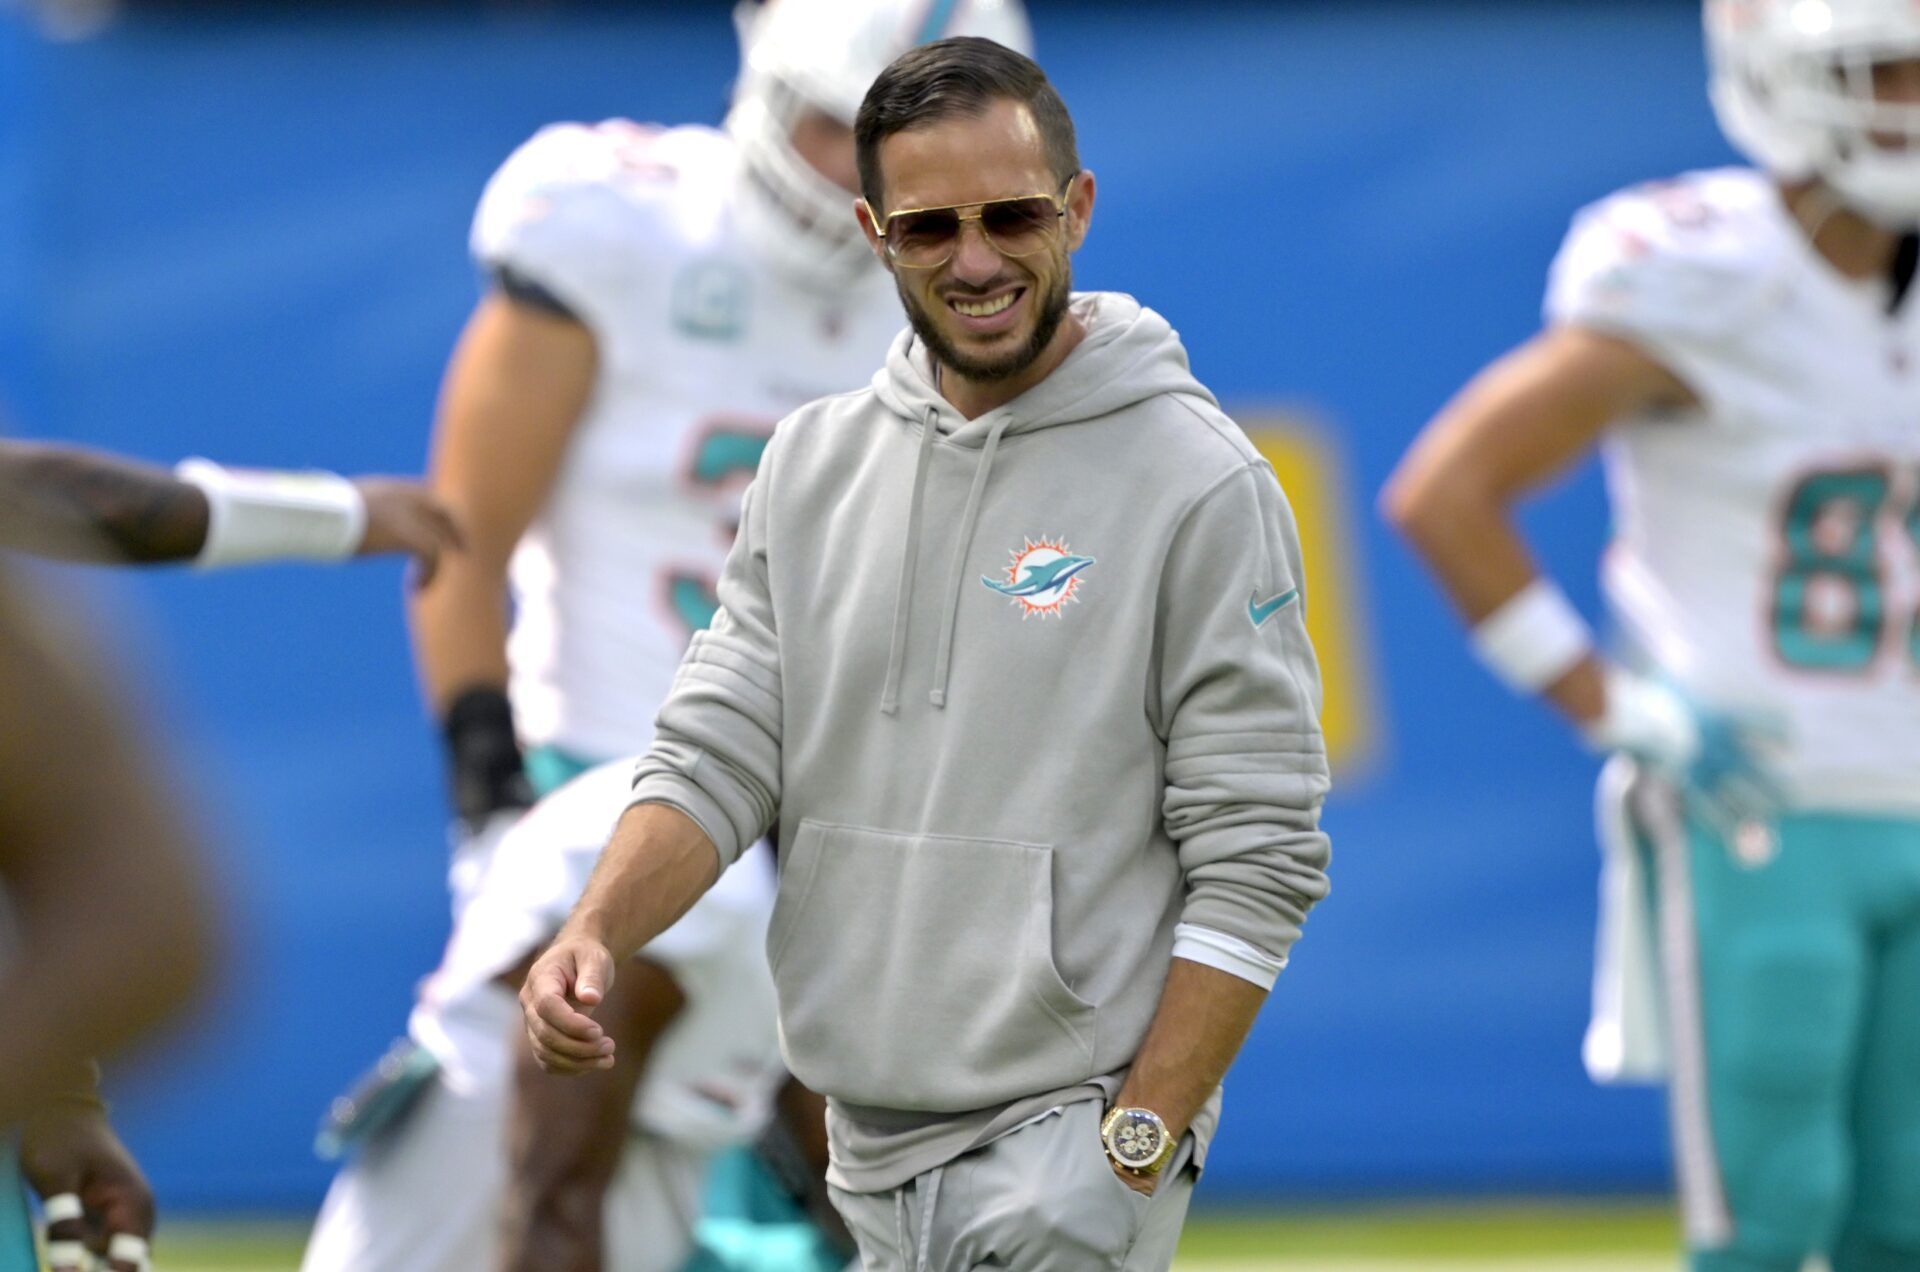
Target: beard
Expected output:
[1052,310]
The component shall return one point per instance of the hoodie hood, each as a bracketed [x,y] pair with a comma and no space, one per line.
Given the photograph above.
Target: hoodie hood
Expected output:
[1130,353]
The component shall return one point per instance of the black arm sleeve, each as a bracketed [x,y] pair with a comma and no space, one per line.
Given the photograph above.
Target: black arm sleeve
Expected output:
[486,772]
[523,290]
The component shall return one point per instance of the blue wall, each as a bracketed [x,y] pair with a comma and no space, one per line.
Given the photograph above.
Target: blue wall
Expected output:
[248,241]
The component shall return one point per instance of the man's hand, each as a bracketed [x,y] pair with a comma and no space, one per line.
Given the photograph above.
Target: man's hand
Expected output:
[1133,1179]
[74,1152]
[403,516]
[566,1038]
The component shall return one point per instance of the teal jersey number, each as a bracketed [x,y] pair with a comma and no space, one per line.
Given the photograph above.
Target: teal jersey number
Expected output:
[1831,548]
[693,599]
[1913,621]
[1829,609]
[726,457]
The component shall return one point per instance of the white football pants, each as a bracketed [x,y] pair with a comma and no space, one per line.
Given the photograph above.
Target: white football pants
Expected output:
[426,1197]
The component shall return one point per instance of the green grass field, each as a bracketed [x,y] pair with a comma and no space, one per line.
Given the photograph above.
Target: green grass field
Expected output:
[1536,1237]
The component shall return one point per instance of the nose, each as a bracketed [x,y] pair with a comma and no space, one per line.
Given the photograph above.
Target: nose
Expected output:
[975,259]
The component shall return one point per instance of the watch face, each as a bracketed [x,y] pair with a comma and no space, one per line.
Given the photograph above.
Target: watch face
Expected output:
[1135,1138]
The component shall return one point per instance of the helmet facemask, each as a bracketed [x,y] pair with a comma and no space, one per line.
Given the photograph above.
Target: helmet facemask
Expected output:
[801,219]
[1804,87]
[822,55]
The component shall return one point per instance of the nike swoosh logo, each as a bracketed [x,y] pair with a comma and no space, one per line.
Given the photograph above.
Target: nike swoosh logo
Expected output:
[1260,612]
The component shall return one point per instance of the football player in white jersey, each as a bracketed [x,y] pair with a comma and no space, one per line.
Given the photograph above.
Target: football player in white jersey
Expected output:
[1743,347]
[658,298]
[497,1166]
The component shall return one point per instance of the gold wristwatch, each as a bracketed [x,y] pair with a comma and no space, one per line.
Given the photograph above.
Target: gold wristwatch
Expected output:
[1136,1140]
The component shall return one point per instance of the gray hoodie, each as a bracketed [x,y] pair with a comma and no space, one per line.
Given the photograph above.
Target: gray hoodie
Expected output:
[1026,694]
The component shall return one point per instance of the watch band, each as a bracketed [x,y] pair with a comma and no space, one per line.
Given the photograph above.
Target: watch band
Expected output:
[1136,1140]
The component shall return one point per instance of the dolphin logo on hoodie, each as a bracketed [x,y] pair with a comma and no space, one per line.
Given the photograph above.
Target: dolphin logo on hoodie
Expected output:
[1042,576]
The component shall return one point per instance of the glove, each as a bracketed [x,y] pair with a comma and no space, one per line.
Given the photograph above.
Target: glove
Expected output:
[1721,764]
[486,772]
[489,785]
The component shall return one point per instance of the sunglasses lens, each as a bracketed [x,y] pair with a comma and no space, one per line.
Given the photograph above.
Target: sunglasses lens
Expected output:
[923,238]
[1020,227]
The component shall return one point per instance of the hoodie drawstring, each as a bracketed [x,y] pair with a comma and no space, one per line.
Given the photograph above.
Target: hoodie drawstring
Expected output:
[956,579]
[903,600]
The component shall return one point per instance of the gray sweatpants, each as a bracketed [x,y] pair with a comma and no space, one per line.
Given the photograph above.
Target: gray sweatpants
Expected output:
[1041,1199]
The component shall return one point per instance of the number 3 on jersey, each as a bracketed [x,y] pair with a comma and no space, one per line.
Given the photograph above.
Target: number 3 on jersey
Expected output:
[721,462]
[1829,610]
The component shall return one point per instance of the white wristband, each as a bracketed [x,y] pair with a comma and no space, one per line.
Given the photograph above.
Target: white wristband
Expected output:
[1534,639]
[265,515]
[68,1256]
[125,1247]
[62,1207]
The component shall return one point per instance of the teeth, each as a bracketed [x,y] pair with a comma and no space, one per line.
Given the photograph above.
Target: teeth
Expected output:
[986,309]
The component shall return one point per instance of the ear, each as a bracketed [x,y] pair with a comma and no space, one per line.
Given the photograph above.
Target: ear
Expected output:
[870,226]
[1079,209]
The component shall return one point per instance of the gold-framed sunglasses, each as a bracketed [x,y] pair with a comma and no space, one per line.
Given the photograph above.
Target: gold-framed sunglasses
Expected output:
[926,238]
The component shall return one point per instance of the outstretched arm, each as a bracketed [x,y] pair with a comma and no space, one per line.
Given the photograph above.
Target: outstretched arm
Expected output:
[83,505]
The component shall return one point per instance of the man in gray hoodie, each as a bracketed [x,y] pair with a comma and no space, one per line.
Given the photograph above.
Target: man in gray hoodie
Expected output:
[1011,651]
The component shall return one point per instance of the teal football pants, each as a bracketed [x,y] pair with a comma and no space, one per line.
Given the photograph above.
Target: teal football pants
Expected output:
[16,1221]
[549,768]
[1795,1008]
[749,1224]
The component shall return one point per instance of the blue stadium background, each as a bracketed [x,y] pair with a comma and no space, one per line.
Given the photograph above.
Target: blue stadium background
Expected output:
[243,236]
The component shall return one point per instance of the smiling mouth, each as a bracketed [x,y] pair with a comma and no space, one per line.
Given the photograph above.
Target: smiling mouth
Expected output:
[986,308]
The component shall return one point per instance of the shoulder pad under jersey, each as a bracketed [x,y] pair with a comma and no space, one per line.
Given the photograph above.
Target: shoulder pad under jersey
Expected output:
[1682,262]
[580,209]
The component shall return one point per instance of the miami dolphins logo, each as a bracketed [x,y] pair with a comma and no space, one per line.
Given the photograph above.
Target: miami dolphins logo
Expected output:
[1042,577]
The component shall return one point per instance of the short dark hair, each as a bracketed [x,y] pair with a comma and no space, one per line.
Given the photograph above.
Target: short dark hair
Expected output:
[960,76]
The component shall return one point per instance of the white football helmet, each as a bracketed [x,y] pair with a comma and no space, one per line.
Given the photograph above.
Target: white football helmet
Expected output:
[824,54]
[1792,84]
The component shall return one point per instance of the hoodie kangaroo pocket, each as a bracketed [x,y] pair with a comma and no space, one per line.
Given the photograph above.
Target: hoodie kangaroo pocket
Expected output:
[917,972]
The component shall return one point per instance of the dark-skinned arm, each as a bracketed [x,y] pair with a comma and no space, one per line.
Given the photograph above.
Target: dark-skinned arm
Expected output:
[566,1138]
[82,505]
[111,905]
[73,504]
[793,1149]
[69,1147]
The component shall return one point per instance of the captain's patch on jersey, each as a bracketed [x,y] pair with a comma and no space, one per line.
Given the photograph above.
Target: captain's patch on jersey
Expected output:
[710,300]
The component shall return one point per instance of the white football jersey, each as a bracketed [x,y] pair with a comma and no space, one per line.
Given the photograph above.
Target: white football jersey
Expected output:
[1766,552]
[702,348]
[711,1078]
